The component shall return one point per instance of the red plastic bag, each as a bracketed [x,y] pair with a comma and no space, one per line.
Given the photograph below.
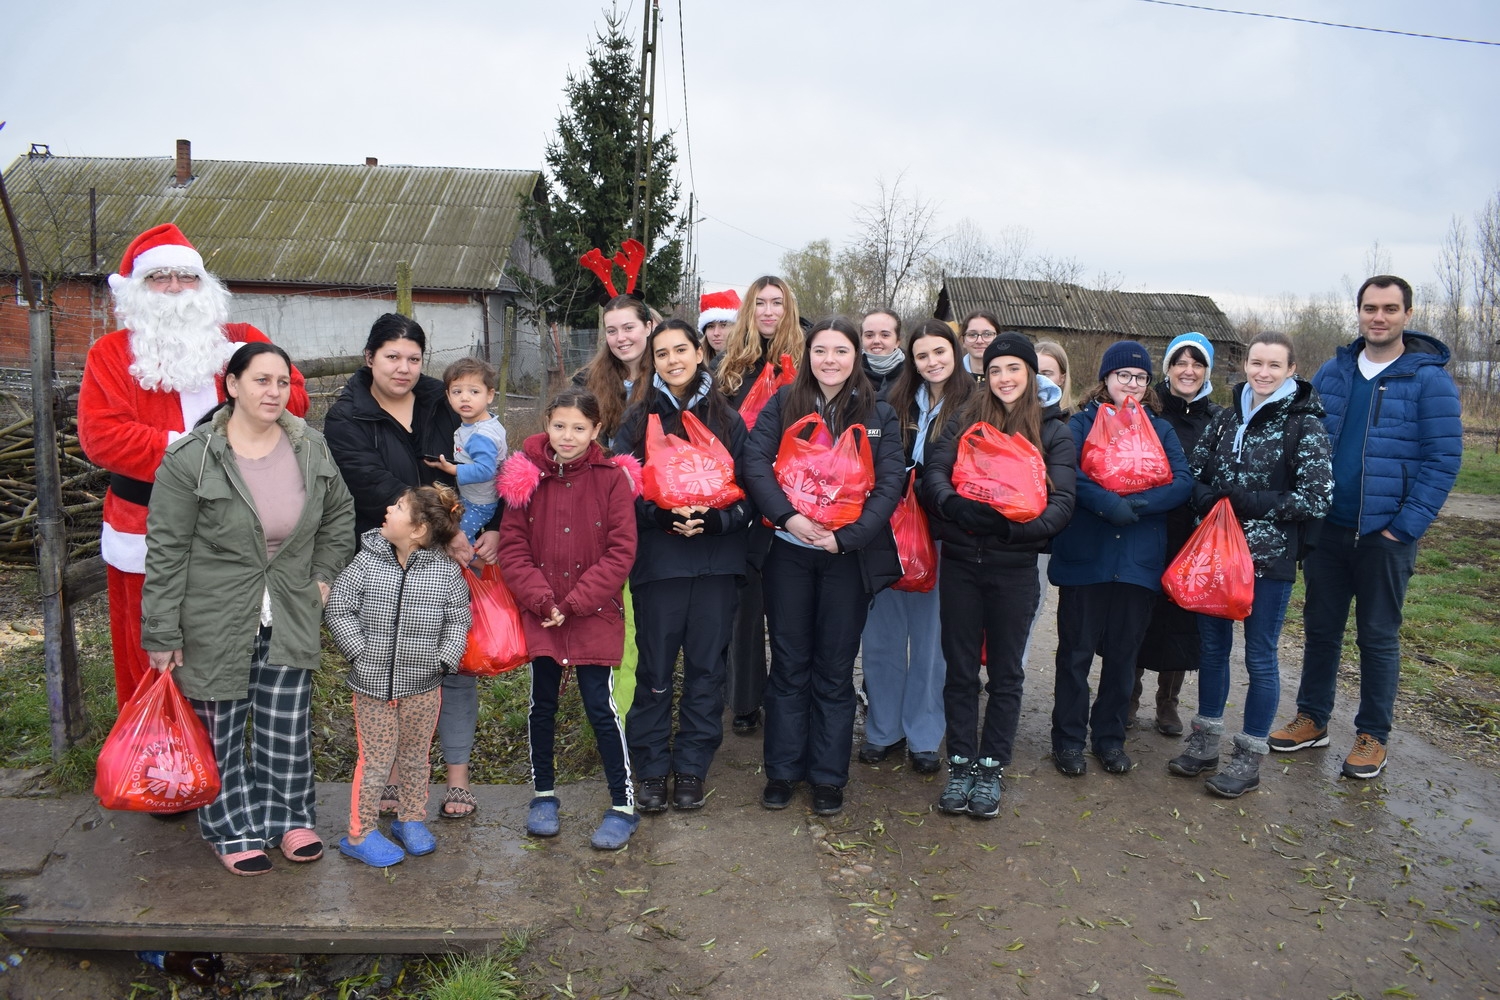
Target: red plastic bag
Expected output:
[1122,452]
[1214,574]
[497,642]
[158,757]
[696,472]
[914,545]
[1003,470]
[771,378]
[827,483]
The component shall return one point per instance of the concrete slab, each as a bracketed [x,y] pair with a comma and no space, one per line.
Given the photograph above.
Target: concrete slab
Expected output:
[33,827]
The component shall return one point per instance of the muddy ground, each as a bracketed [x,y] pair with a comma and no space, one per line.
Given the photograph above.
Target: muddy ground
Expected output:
[1113,887]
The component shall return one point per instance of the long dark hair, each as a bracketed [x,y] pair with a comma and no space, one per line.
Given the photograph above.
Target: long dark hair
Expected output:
[606,374]
[714,410]
[854,403]
[1023,418]
[903,394]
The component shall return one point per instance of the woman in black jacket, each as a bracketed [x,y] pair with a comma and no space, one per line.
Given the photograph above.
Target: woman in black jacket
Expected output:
[987,578]
[819,582]
[688,566]
[1171,644]
[387,419]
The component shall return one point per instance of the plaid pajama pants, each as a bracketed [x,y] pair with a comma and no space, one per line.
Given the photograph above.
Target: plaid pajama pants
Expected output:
[267,784]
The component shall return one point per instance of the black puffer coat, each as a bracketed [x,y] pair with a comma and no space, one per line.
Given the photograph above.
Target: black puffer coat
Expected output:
[1277,490]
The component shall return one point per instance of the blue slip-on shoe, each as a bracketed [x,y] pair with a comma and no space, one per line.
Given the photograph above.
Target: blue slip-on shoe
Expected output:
[614,832]
[374,850]
[541,817]
[414,836]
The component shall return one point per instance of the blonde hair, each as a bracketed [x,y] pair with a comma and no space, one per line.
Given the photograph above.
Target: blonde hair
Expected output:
[743,348]
[1055,351]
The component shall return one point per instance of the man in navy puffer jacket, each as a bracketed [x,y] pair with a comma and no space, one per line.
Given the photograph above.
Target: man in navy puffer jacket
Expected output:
[1393,416]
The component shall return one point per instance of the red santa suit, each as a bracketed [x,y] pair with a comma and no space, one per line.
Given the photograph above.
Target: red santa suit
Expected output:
[125,429]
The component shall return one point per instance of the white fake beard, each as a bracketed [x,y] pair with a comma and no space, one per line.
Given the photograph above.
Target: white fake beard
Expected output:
[177,340]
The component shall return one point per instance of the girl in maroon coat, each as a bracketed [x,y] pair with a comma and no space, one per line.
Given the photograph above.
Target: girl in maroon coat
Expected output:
[567,542]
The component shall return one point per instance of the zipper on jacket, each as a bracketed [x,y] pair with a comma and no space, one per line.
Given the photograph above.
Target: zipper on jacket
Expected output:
[390,684]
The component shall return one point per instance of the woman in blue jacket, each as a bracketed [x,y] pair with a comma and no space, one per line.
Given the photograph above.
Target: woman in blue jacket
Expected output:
[1107,565]
[688,566]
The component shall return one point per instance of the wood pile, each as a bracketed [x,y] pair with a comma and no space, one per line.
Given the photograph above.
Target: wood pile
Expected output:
[82,486]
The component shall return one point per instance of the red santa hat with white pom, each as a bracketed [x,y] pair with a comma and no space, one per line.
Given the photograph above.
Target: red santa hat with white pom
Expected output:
[159,247]
[718,307]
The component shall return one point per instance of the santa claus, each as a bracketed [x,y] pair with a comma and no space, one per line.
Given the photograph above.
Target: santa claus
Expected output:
[143,387]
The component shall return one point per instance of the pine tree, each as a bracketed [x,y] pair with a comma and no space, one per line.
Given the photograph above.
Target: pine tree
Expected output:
[590,163]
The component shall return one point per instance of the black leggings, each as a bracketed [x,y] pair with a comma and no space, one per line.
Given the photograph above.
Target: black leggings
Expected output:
[596,687]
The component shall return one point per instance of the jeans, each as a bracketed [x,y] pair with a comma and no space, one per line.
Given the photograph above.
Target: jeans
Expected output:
[1262,632]
[903,663]
[1372,571]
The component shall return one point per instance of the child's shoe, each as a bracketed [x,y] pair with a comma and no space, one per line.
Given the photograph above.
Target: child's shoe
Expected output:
[614,832]
[414,836]
[541,818]
[374,850]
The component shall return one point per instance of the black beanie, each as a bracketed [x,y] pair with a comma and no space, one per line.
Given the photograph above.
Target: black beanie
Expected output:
[1124,354]
[1010,344]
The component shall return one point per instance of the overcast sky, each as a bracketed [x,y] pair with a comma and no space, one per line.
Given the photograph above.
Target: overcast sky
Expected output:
[1183,150]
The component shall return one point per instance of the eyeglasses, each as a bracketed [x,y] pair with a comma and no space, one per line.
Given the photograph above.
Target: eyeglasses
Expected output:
[163,278]
[981,335]
[1131,378]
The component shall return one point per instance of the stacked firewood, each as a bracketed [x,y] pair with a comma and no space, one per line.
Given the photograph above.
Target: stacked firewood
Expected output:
[82,483]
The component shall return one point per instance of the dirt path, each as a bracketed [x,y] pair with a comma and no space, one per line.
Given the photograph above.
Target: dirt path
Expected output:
[1481,506]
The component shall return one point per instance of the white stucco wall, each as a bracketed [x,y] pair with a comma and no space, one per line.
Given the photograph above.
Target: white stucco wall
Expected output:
[318,326]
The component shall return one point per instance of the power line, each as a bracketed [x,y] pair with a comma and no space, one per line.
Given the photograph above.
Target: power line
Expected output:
[687,132]
[710,218]
[1325,24]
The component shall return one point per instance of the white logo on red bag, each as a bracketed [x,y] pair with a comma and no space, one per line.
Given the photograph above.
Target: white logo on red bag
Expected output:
[698,474]
[165,772]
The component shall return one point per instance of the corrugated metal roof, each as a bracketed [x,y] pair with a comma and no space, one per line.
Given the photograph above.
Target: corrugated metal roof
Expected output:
[1046,305]
[297,223]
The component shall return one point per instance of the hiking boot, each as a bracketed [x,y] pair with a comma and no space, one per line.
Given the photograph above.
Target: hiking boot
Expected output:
[777,794]
[652,797]
[926,761]
[1168,686]
[827,800]
[989,785]
[1070,762]
[1301,733]
[687,792]
[961,775]
[874,753]
[1114,759]
[746,723]
[1242,772]
[1366,760]
[1202,752]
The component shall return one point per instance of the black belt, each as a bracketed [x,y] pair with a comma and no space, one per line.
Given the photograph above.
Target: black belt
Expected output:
[134,491]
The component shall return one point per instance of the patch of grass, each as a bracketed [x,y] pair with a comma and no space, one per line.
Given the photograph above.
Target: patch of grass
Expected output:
[1480,471]
[477,977]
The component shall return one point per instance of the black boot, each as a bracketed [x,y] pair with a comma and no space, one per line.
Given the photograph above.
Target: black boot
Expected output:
[1168,686]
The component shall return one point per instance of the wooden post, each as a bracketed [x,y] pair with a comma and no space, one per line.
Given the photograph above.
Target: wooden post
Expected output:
[403,289]
[507,352]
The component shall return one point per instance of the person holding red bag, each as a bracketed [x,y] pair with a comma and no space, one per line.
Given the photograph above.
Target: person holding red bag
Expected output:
[901,649]
[1107,565]
[767,327]
[249,526]
[987,579]
[685,580]
[818,583]
[1269,454]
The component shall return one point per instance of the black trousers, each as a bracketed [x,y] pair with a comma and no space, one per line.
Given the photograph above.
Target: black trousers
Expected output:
[1112,618]
[596,688]
[815,606]
[693,615]
[746,681]
[994,605]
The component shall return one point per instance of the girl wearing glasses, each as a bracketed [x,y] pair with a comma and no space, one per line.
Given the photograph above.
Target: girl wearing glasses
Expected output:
[979,328]
[1107,565]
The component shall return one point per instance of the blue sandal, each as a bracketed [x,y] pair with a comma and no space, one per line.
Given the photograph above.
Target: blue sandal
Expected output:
[374,850]
[541,817]
[614,832]
[414,836]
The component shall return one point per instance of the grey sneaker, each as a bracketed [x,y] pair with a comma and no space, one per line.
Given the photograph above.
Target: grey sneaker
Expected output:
[961,775]
[989,785]
[1201,753]
[1242,772]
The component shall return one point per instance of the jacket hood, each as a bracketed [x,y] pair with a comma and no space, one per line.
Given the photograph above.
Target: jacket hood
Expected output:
[1047,391]
[1302,399]
[524,470]
[294,426]
[1421,349]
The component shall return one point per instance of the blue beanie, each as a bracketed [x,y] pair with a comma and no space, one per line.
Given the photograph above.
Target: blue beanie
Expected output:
[1124,354]
[1190,339]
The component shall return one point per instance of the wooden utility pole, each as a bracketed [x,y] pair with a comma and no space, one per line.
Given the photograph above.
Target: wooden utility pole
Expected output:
[64,690]
[640,197]
[403,290]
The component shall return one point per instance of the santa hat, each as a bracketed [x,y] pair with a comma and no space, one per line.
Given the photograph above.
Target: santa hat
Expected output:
[158,247]
[718,307]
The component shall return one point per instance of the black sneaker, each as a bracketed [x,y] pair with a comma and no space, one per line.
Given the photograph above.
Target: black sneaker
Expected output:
[1115,760]
[687,791]
[1070,762]
[874,753]
[955,797]
[778,794]
[652,797]
[747,723]
[828,800]
[989,785]
[926,761]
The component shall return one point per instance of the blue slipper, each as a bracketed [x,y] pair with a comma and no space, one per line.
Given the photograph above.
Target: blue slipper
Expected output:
[414,836]
[541,818]
[614,832]
[374,850]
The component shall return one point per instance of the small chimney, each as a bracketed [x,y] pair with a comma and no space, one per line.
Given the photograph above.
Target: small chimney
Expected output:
[184,162]
[370,161]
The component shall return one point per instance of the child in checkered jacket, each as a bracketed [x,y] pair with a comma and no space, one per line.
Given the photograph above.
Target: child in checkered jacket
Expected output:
[400,614]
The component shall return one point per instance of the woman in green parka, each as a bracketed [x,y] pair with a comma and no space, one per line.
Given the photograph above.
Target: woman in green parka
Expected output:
[250,522]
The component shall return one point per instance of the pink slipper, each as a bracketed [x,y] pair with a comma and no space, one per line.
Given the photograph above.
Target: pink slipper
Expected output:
[301,845]
[246,862]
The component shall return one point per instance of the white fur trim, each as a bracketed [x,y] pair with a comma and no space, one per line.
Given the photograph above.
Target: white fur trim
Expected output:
[167,255]
[126,553]
[195,403]
[708,316]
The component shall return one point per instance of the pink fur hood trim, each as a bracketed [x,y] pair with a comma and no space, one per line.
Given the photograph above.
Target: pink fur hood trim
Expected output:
[520,474]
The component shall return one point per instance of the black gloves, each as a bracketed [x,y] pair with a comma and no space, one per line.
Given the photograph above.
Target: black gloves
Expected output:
[665,519]
[975,517]
[1204,497]
[1249,504]
[1124,512]
[715,522]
